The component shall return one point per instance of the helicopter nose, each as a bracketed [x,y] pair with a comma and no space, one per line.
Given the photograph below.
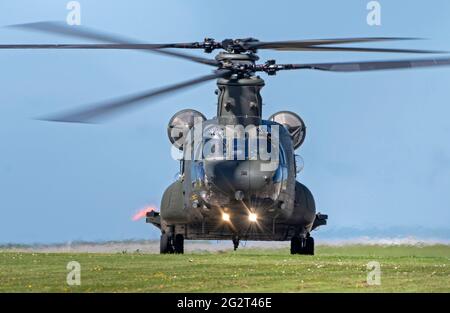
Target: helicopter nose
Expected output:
[231,177]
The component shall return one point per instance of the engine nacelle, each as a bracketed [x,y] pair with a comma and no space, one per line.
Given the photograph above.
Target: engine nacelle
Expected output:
[294,125]
[180,124]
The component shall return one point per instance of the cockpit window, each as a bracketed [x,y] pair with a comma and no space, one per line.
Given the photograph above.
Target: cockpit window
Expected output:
[197,174]
[224,144]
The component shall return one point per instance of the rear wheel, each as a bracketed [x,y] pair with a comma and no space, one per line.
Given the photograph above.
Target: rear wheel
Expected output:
[179,244]
[165,244]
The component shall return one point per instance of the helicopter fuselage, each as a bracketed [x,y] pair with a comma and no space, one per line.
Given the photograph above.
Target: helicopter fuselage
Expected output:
[218,198]
[229,192]
[238,170]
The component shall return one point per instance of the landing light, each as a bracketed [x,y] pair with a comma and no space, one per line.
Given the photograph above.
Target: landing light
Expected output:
[252,217]
[226,217]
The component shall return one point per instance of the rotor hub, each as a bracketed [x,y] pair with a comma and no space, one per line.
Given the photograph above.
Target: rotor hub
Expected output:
[242,65]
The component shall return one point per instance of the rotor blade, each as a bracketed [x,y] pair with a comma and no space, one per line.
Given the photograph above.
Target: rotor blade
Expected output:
[292,44]
[86,33]
[79,32]
[368,66]
[139,46]
[155,47]
[355,49]
[99,110]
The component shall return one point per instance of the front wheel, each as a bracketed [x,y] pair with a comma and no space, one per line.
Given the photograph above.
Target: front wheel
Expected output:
[165,244]
[309,247]
[179,244]
[296,245]
[303,246]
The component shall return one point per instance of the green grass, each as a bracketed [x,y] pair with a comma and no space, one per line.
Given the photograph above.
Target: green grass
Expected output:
[404,269]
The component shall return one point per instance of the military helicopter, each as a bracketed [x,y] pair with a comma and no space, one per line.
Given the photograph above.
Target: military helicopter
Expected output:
[241,196]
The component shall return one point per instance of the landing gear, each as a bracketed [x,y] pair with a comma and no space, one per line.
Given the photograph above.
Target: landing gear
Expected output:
[309,247]
[168,244]
[235,242]
[296,245]
[178,244]
[165,244]
[301,245]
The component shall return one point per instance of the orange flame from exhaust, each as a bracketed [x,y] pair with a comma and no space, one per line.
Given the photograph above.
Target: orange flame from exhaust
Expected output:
[142,213]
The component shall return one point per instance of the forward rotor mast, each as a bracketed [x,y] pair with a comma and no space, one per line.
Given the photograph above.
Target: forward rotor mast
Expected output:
[239,98]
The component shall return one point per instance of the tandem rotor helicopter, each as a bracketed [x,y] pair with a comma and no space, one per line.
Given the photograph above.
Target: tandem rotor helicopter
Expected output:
[239,197]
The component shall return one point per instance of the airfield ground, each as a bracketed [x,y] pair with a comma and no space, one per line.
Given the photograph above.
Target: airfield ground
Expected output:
[333,268]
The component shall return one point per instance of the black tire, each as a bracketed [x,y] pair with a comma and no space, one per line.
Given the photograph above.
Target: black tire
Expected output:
[179,244]
[296,245]
[309,249]
[165,244]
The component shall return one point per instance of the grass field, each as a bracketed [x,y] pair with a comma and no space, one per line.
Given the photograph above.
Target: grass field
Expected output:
[403,269]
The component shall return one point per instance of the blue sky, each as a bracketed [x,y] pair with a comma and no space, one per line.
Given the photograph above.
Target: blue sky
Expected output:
[377,152]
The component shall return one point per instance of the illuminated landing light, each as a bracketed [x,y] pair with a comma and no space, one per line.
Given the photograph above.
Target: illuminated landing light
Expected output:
[252,217]
[226,217]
